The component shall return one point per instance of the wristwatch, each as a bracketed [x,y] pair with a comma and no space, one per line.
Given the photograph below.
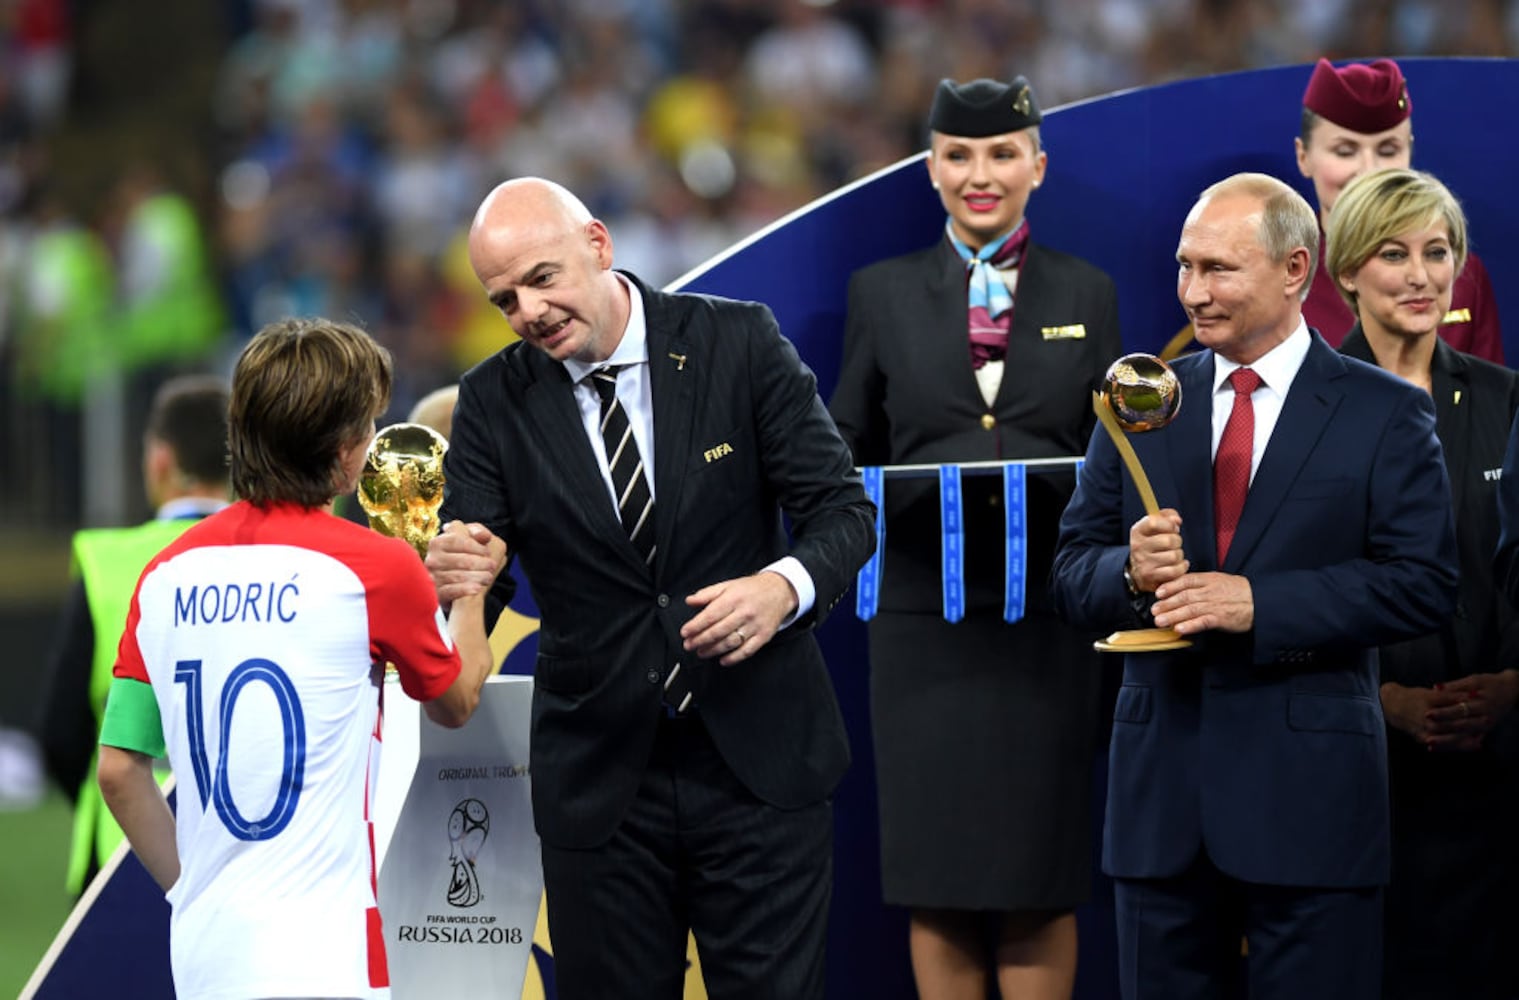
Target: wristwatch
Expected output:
[1128,580]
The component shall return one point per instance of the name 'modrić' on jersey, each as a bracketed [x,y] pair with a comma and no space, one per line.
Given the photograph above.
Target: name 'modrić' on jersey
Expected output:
[263,632]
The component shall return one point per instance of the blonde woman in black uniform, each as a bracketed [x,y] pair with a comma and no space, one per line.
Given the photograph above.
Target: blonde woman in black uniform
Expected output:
[1397,243]
[982,346]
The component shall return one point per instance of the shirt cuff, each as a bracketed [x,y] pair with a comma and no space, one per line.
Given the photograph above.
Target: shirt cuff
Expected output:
[801,581]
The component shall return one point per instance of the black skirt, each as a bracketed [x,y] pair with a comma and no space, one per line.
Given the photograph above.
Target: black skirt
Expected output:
[984,735]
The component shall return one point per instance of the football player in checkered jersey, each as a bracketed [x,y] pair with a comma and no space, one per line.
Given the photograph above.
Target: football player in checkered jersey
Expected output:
[253,657]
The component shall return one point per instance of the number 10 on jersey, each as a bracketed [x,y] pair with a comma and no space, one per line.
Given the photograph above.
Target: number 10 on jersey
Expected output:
[217,787]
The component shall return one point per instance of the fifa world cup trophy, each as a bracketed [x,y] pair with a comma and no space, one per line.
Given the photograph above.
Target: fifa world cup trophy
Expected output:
[1140,393]
[401,487]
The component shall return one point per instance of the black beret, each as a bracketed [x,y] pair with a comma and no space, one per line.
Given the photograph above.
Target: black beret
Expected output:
[983,107]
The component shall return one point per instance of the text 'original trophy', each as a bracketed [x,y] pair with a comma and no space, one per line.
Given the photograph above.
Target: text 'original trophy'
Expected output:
[1139,393]
[401,487]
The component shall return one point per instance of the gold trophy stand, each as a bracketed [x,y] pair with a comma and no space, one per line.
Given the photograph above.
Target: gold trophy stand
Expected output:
[1139,640]
[1142,640]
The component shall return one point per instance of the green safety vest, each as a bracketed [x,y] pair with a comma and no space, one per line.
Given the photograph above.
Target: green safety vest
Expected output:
[65,329]
[109,561]
[180,320]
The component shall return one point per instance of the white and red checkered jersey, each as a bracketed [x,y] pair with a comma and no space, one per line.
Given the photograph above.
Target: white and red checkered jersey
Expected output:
[260,630]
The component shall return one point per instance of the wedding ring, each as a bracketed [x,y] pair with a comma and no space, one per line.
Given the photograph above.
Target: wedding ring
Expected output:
[744,638]
[1466,710]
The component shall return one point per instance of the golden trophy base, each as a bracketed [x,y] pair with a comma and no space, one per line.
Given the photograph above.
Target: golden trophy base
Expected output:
[1142,640]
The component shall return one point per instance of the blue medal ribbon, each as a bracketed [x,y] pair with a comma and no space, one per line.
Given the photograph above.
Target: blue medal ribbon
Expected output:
[867,596]
[1015,504]
[952,519]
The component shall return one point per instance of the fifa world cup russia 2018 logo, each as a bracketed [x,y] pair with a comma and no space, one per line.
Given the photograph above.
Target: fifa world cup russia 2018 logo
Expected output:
[468,826]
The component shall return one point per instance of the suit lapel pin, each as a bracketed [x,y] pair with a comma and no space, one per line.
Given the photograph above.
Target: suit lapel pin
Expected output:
[1457,401]
[680,361]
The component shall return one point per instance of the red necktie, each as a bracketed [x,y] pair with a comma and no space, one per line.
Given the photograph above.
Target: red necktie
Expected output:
[1231,466]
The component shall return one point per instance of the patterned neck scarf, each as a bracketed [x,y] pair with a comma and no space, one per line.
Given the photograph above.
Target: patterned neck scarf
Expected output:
[991,305]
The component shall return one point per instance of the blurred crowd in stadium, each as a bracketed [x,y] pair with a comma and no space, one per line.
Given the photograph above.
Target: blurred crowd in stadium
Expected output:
[174,175]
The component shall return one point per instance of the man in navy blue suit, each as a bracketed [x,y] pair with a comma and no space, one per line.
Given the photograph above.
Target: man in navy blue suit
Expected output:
[1248,783]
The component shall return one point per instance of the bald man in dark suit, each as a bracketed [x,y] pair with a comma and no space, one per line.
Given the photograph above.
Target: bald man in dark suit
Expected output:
[637,451]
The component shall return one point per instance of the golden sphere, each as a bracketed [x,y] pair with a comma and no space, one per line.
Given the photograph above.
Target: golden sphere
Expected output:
[1142,391]
[401,487]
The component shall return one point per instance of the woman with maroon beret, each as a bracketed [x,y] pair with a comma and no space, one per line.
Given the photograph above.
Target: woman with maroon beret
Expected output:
[1359,117]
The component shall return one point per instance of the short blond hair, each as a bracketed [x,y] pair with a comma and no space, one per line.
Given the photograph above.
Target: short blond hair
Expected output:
[1382,205]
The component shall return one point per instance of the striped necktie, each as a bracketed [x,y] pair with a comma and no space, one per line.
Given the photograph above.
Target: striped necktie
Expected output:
[635,504]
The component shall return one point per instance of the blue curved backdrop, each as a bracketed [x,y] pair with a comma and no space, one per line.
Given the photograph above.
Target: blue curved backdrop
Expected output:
[1123,172]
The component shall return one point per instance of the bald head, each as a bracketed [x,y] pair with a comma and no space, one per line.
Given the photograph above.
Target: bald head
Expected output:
[528,198]
[436,410]
[546,263]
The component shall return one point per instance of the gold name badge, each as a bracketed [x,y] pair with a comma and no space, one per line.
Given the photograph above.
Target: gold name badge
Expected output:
[1076,331]
[714,453]
[1457,316]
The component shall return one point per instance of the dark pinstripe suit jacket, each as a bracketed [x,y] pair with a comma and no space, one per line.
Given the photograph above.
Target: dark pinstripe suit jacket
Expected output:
[740,437]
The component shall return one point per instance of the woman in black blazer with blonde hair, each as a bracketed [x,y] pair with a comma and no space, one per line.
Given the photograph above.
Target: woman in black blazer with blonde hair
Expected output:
[983,346]
[1397,242]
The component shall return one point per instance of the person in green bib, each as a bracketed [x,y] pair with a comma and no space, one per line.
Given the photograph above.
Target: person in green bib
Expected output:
[185,475]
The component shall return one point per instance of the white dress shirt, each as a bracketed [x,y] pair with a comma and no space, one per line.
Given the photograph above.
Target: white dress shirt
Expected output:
[1277,368]
[636,397]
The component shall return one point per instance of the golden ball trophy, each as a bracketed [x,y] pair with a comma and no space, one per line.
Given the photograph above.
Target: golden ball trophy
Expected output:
[401,487]
[1140,393]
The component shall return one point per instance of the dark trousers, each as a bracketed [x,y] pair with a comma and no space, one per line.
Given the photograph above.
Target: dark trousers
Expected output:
[696,852]
[1180,938]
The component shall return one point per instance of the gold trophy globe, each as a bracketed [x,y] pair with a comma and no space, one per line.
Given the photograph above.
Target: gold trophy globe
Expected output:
[1140,393]
[401,487]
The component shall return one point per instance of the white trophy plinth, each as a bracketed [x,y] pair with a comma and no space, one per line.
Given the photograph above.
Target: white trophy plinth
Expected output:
[460,872]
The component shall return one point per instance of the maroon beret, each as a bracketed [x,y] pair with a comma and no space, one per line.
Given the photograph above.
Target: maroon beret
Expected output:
[1363,97]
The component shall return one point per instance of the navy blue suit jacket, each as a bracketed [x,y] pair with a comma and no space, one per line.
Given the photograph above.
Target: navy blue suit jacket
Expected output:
[1267,749]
